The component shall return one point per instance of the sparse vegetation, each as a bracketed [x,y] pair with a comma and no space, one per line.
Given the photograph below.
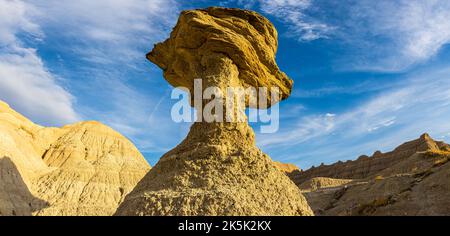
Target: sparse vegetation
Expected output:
[440,162]
[445,148]
[439,157]
[371,207]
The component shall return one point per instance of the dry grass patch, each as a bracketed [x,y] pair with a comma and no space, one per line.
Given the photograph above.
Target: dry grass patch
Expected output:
[371,207]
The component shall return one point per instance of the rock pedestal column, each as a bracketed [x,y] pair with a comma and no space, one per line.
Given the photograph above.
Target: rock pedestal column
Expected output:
[217,169]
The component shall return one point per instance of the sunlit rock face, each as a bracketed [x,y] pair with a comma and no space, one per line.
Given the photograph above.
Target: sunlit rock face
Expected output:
[81,169]
[245,37]
[410,180]
[217,169]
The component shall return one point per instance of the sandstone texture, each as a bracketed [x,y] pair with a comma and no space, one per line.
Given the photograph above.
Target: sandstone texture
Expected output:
[286,167]
[81,169]
[217,169]
[322,182]
[209,176]
[399,185]
[245,37]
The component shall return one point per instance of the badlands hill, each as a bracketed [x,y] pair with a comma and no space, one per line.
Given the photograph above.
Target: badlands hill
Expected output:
[411,180]
[81,169]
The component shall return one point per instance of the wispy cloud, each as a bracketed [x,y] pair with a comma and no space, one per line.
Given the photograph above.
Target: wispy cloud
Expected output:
[393,35]
[294,14]
[101,48]
[25,82]
[105,31]
[366,86]
[15,17]
[104,57]
[303,129]
[420,104]
[139,116]
[384,35]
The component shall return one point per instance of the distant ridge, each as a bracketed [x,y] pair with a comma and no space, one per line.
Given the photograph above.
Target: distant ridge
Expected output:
[410,180]
[366,166]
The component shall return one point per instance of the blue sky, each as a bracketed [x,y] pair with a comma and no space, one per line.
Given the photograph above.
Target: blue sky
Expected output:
[368,75]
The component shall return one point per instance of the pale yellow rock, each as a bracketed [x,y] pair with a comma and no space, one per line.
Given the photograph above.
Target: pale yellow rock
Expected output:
[96,168]
[245,37]
[322,182]
[81,169]
[20,142]
[20,162]
[286,167]
[217,169]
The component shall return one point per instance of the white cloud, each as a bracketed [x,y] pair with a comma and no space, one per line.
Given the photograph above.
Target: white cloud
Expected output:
[25,82]
[15,16]
[384,35]
[366,86]
[303,129]
[300,25]
[109,32]
[291,12]
[109,40]
[395,35]
[31,89]
[420,104]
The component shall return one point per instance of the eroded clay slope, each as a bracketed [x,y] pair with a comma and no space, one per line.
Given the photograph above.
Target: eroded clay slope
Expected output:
[95,168]
[366,166]
[415,185]
[21,149]
[81,169]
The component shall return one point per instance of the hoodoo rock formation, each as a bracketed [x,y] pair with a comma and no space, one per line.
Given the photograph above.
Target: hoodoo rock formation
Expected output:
[81,169]
[217,169]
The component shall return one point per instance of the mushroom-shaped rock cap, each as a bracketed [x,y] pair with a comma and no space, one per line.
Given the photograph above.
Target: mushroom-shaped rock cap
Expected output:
[247,38]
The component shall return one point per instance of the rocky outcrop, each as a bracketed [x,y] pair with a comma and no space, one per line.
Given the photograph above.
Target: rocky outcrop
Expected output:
[95,168]
[366,166]
[322,182]
[21,141]
[244,37]
[415,185]
[217,169]
[81,169]
[286,167]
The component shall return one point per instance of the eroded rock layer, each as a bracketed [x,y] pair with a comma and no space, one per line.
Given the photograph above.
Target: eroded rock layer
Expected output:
[286,167]
[220,174]
[366,166]
[245,37]
[81,169]
[413,185]
[217,169]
